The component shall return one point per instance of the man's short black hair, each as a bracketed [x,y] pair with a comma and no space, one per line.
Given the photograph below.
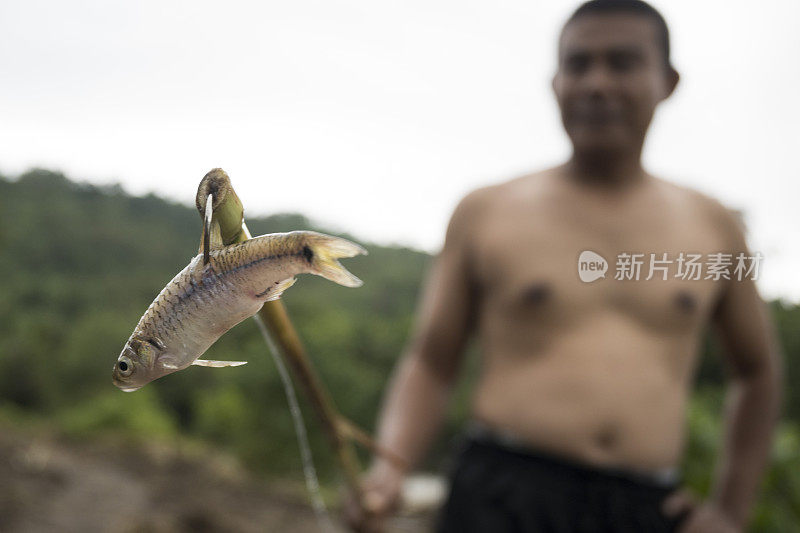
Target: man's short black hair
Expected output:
[628,6]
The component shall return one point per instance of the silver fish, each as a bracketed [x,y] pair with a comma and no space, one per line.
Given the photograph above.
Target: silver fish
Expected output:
[216,291]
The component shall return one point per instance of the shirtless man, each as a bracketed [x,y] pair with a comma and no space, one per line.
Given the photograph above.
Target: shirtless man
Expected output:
[583,388]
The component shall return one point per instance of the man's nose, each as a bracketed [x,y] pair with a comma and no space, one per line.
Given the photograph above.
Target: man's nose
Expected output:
[598,80]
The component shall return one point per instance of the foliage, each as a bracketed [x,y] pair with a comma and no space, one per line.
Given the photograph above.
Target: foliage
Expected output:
[778,508]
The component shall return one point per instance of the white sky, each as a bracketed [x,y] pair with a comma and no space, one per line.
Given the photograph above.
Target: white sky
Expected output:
[376,116]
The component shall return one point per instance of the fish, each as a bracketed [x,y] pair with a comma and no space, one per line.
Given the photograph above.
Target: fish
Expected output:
[219,288]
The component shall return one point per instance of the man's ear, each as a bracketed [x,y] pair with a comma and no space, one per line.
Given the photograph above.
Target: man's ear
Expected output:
[671,82]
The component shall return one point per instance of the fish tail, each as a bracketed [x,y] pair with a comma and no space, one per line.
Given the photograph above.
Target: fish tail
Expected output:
[323,251]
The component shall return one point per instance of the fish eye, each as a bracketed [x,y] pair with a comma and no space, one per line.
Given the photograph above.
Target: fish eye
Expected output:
[124,366]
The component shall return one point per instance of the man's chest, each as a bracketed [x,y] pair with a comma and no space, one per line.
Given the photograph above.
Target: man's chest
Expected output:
[560,264]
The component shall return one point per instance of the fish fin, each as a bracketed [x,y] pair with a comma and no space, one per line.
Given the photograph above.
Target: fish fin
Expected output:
[217,364]
[212,234]
[274,292]
[322,251]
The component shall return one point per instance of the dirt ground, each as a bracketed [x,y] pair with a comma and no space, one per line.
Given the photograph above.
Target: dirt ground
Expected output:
[53,484]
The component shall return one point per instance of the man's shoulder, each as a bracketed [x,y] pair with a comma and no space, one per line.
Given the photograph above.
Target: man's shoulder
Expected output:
[501,192]
[726,219]
[700,200]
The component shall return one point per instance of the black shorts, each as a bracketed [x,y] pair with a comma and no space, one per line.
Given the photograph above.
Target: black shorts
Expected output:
[500,489]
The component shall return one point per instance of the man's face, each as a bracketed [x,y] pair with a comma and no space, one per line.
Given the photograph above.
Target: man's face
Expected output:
[611,75]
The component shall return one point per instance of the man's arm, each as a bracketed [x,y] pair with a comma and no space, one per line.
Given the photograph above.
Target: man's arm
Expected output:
[419,390]
[742,323]
[418,393]
[745,330]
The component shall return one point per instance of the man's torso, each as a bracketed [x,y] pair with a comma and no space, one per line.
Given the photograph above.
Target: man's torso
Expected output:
[597,371]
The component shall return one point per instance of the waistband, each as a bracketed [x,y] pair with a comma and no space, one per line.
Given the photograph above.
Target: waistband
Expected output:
[480,433]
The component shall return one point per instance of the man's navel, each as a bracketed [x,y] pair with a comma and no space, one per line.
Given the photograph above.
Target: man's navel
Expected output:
[607,436]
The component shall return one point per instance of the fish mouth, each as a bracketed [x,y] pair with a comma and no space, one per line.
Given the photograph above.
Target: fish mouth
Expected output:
[124,387]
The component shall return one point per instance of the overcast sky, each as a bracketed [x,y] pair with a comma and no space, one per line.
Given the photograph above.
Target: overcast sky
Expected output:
[376,116]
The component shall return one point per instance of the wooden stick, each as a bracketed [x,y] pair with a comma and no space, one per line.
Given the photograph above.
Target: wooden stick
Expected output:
[228,213]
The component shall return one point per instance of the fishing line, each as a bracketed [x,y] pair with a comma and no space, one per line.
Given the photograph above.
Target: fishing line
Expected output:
[309,471]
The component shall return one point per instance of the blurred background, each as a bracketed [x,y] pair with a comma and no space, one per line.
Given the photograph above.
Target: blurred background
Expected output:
[365,119]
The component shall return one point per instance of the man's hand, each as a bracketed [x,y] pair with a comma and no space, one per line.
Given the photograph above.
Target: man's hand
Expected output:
[708,518]
[381,490]
[702,518]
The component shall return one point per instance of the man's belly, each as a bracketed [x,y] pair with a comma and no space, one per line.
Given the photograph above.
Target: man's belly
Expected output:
[603,407]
